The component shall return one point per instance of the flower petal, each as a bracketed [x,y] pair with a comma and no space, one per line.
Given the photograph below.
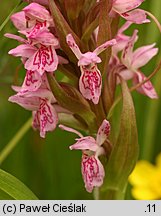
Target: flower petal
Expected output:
[90,83]
[88,58]
[45,59]
[122,6]
[44,37]
[15,37]
[85,143]
[127,53]
[143,55]
[38,12]
[23,50]
[142,178]
[137,16]
[31,82]
[73,46]
[104,46]
[41,93]
[92,171]
[121,39]
[142,174]
[19,20]
[103,132]
[124,27]
[126,75]
[147,88]
[31,103]
[46,118]
[145,193]
[39,33]
[63,127]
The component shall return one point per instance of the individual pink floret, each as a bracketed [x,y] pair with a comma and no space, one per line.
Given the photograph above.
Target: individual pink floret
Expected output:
[134,60]
[40,101]
[90,82]
[92,169]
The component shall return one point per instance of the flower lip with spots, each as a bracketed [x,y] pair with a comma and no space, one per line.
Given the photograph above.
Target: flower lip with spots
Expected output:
[90,82]
[92,169]
[41,59]
[40,101]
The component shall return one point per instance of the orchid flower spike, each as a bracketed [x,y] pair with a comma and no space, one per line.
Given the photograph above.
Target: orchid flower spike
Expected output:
[90,82]
[92,169]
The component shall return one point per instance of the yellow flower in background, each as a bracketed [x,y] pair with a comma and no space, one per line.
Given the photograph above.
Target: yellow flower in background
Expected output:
[146,180]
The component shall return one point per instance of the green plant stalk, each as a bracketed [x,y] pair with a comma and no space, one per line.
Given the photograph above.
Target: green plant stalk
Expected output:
[114,194]
[15,140]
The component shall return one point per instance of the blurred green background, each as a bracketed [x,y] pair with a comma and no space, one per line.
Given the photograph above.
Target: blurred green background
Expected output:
[47,166]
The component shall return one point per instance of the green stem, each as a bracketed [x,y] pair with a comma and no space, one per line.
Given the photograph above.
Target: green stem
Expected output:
[113,195]
[14,141]
[8,17]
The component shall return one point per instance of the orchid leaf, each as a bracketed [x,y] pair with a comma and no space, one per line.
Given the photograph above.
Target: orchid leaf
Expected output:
[73,8]
[91,22]
[125,152]
[11,187]
[63,29]
[104,34]
[88,5]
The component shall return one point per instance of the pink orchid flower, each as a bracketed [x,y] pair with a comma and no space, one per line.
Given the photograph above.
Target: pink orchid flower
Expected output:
[90,82]
[92,169]
[34,22]
[36,11]
[134,60]
[41,102]
[30,15]
[126,9]
[32,82]
[19,20]
[121,39]
[41,58]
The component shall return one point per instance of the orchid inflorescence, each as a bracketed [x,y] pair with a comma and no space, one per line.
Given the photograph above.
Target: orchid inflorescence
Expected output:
[96,57]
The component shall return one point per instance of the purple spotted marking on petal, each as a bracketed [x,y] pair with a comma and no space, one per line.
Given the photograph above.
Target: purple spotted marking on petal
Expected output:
[44,59]
[45,118]
[43,56]
[103,132]
[30,78]
[38,26]
[92,172]
[91,83]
